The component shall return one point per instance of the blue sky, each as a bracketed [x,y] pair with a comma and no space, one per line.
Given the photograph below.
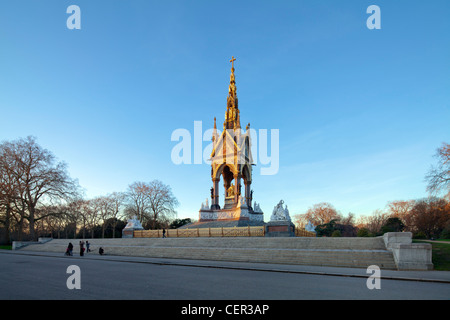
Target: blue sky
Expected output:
[360,112]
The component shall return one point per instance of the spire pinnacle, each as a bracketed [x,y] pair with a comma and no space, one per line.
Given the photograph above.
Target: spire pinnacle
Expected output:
[232,118]
[232,87]
[233,59]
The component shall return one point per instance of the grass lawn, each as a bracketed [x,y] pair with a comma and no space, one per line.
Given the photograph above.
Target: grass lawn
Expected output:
[440,254]
[6,247]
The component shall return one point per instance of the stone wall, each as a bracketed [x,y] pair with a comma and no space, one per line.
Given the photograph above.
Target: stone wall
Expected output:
[391,251]
[408,255]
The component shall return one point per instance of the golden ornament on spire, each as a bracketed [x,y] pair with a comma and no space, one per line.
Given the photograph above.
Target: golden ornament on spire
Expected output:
[232,118]
[232,62]
[232,87]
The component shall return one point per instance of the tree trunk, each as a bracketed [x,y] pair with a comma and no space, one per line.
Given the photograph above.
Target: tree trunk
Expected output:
[8,224]
[32,224]
[114,229]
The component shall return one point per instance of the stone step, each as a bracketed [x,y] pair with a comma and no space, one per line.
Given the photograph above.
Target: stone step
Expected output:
[255,242]
[345,252]
[330,258]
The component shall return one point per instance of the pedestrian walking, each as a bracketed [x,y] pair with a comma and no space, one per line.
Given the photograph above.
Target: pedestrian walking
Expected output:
[81,248]
[87,246]
[69,249]
[164,233]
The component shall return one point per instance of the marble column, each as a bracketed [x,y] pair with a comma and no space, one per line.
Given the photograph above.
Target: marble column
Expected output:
[215,200]
[237,182]
[247,193]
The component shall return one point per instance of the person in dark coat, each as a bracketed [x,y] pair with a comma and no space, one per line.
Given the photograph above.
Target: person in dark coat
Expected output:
[69,249]
[81,248]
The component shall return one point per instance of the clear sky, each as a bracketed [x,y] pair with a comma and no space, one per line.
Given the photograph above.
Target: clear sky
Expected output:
[360,112]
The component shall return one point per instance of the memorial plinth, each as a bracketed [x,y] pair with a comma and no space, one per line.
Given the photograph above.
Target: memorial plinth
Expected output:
[280,229]
[231,211]
[280,224]
[133,224]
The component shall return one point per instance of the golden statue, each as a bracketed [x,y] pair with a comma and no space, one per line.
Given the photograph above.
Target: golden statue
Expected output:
[231,190]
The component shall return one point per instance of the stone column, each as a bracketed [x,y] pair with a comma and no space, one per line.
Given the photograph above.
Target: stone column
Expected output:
[237,182]
[247,193]
[215,200]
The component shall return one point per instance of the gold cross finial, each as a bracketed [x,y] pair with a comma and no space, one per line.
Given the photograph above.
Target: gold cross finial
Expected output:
[232,62]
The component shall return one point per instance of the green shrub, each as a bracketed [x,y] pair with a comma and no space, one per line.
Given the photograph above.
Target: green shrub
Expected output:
[326,229]
[393,225]
[363,232]
[336,233]
[445,234]
[420,235]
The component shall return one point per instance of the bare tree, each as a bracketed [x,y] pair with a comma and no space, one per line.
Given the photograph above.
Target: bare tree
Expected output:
[374,222]
[430,216]
[162,202]
[300,220]
[138,202]
[321,213]
[38,178]
[91,210]
[439,176]
[151,202]
[347,220]
[108,209]
[8,189]
[77,214]
[59,220]
[402,210]
[100,211]
[116,203]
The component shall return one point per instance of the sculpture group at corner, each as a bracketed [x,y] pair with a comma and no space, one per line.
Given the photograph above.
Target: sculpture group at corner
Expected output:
[279,213]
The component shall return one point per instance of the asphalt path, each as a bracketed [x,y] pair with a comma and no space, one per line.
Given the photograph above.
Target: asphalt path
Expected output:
[34,277]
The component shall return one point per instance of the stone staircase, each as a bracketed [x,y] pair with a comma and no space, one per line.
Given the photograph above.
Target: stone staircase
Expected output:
[339,252]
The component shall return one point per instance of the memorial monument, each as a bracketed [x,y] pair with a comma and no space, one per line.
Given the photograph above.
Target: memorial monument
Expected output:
[310,227]
[133,224]
[280,224]
[231,162]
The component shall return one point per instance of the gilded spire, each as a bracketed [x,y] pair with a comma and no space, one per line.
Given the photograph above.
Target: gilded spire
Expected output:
[232,118]
[214,130]
[232,87]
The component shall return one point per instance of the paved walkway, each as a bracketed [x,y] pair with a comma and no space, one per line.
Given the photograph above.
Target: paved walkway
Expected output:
[424,276]
[436,241]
